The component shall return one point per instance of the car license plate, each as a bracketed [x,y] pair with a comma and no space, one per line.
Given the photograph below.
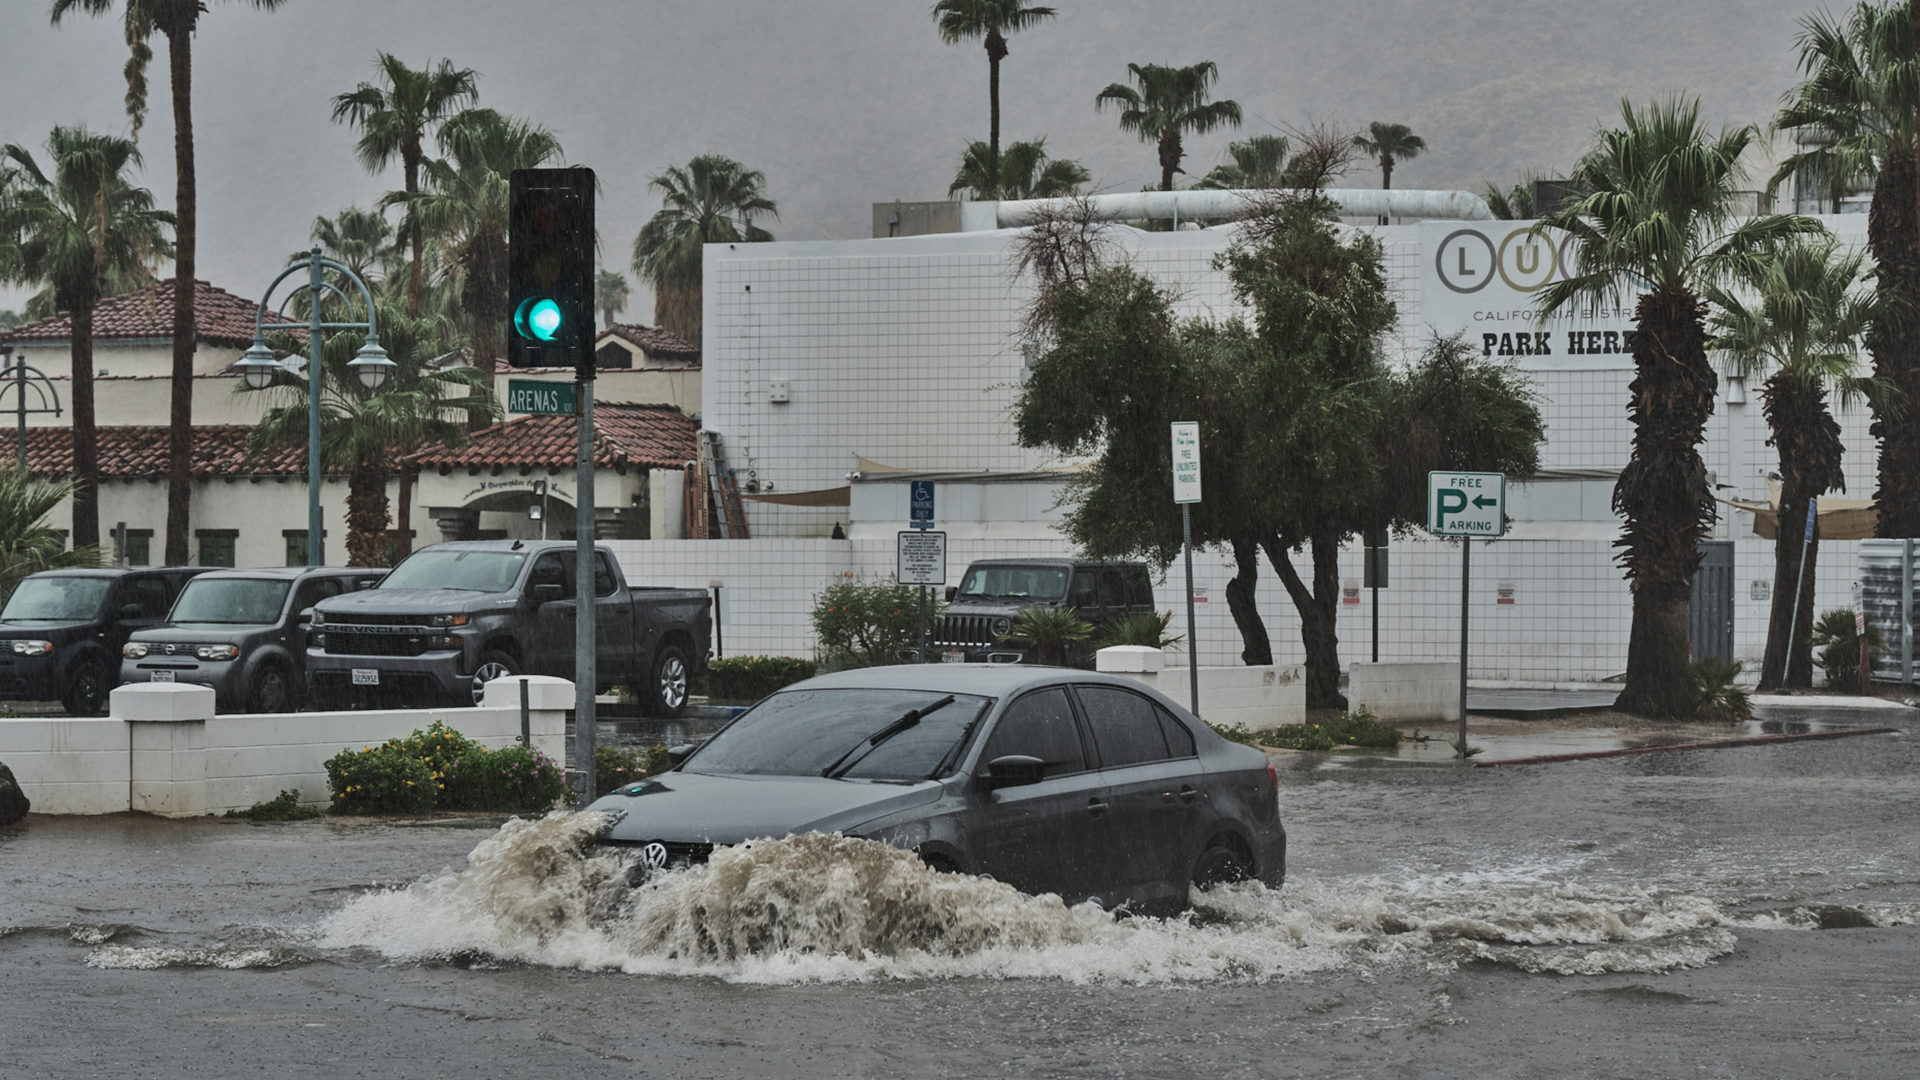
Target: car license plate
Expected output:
[366,676]
[162,676]
[955,656]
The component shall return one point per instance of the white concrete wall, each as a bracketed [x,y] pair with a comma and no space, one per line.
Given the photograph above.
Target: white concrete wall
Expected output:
[1260,697]
[1405,691]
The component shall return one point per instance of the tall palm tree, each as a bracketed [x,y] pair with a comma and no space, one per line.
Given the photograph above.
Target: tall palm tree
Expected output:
[1657,220]
[393,121]
[993,20]
[1862,81]
[28,544]
[1026,172]
[362,431]
[1390,143]
[1513,204]
[1804,325]
[610,293]
[1169,101]
[1258,162]
[713,200]
[177,20]
[79,227]
[360,240]
[465,206]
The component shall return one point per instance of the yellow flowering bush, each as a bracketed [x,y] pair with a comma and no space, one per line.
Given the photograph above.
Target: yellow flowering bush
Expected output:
[384,779]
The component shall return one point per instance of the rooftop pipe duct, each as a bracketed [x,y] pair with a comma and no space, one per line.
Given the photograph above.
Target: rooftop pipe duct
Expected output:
[1186,205]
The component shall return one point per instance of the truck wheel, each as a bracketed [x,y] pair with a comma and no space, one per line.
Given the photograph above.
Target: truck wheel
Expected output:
[494,664]
[86,690]
[669,685]
[270,693]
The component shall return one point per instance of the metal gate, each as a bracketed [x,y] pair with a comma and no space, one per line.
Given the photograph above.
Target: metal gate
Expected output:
[1710,612]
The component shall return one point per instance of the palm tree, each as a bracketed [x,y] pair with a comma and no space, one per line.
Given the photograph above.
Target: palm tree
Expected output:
[1169,101]
[78,228]
[610,294]
[1805,325]
[465,206]
[362,431]
[1258,162]
[1026,173]
[959,20]
[1658,217]
[360,240]
[1513,204]
[393,120]
[177,20]
[713,200]
[1390,143]
[1862,80]
[28,544]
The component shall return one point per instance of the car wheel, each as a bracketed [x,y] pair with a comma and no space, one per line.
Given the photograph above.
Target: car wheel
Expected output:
[494,664]
[1220,864]
[87,689]
[669,683]
[270,692]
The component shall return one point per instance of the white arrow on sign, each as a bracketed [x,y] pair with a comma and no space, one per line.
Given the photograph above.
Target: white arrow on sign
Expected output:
[1466,504]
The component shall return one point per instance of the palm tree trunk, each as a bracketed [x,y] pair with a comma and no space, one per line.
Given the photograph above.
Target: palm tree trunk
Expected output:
[1170,155]
[1255,647]
[86,448]
[1810,466]
[367,514]
[403,523]
[678,309]
[180,411]
[410,154]
[1894,343]
[996,49]
[1664,496]
[1318,608]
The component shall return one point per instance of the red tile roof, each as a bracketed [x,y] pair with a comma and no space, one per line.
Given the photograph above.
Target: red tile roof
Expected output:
[221,318]
[653,340]
[625,436]
[141,451]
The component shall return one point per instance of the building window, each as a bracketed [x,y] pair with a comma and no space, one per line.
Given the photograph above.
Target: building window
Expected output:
[216,546]
[139,547]
[612,355]
[296,540]
[393,544]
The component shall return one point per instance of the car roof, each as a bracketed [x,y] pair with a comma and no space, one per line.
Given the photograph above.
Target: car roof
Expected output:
[294,573]
[1050,560]
[114,572]
[503,545]
[991,680]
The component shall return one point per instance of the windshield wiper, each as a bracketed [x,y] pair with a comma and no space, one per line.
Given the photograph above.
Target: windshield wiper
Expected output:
[872,742]
[950,757]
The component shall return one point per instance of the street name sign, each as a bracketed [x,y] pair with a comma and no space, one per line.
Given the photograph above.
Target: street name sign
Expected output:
[1186,462]
[1467,504]
[922,558]
[920,503]
[542,398]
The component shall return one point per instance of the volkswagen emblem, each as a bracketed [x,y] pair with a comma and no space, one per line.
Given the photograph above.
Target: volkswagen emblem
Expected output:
[654,855]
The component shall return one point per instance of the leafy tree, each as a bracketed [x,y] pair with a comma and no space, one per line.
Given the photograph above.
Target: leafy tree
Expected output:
[1258,162]
[1026,173]
[362,430]
[712,200]
[1804,326]
[1658,220]
[1168,102]
[610,294]
[465,206]
[1862,82]
[9,319]
[28,544]
[177,20]
[1514,204]
[79,227]
[960,20]
[393,120]
[1390,143]
[871,624]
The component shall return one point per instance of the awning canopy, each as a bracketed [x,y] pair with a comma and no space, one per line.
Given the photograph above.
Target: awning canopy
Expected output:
[1840,519]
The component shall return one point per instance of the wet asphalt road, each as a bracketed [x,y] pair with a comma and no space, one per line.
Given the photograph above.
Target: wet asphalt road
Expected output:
[1439,902]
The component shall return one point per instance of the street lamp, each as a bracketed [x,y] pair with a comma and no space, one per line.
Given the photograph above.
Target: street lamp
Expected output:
[370,364]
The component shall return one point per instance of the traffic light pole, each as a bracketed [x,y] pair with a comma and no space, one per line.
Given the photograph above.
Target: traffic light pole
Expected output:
[585,635]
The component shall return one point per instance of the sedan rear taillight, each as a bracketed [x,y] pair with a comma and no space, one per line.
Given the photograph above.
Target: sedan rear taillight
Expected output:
[1273,778]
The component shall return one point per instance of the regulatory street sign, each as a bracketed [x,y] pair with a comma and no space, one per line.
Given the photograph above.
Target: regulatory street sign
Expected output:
[923,558]
[1186,462]
[543,398]
[920,499]
[1466,504]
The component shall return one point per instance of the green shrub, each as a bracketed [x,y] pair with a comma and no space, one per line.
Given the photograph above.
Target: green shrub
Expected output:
[1362,729]
[285,807]
[513,780]
[1714,695]
[1239,733]
[1048,630]
[383,779]
[439,746]
[615,768]
[1141,628]
[1837,648]
[862,624]
[750,678]
[1347,729]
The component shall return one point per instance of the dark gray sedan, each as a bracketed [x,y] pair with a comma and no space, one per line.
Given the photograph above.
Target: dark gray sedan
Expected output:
[1052,780]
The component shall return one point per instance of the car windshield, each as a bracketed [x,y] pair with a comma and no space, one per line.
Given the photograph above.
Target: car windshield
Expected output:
[1015,582]
[803,732]
[231,600]
[468,571]
[56,599]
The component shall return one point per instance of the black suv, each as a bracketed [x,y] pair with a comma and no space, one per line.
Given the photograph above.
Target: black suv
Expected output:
[981,609]
[61,631]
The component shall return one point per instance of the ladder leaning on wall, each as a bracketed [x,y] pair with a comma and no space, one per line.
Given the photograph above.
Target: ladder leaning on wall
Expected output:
[732,514]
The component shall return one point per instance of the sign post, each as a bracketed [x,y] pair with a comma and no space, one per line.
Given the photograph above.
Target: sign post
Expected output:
[921,560]
[1186,492]
[1466,505]
[1793,621]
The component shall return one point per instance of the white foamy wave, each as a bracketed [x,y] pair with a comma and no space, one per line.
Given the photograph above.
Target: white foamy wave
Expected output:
[829,908]
[151,959]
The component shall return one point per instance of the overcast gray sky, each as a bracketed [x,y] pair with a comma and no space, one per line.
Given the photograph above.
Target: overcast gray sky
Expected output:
[843,103]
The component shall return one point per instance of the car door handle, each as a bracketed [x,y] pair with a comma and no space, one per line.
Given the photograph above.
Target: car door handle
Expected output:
[1186,795]
[1096,807]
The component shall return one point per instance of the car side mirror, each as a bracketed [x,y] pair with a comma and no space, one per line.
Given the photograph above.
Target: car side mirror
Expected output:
[132,611]
[546,593]
[678,754]
[1014,770]
[952,591]
[305,618]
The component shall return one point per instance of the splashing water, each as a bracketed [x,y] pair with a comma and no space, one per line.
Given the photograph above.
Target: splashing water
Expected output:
[829,908]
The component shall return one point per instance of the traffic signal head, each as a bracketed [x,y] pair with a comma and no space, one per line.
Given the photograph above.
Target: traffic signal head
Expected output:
[550,269]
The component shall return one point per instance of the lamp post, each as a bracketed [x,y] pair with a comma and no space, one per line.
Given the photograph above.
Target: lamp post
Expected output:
[370,364]
[22,379]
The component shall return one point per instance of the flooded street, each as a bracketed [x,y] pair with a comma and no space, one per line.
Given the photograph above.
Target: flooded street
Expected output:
[1741,912]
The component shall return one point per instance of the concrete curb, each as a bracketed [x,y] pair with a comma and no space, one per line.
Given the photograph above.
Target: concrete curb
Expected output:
[1711,744]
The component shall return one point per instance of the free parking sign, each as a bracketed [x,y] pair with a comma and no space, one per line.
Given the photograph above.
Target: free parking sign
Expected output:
[1467,504]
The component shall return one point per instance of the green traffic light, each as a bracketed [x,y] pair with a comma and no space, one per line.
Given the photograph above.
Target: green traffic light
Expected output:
[538,319]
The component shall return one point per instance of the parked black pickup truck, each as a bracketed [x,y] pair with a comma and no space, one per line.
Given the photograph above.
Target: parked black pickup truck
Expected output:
[242,632]
[992,592]
[452,617]
[61,631]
